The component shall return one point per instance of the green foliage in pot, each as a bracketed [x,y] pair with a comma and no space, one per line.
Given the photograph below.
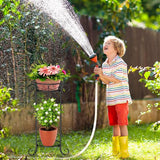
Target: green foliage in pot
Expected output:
[44,71]
[48,113]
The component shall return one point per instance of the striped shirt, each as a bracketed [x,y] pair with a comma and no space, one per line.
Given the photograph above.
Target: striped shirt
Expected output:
[117,93]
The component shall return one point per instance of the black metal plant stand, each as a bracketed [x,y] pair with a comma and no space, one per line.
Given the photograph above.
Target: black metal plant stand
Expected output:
[58,143]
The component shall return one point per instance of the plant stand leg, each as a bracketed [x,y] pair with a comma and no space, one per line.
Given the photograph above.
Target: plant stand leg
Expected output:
[66,150]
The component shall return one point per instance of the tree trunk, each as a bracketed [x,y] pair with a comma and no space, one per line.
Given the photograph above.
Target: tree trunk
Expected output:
[14,64]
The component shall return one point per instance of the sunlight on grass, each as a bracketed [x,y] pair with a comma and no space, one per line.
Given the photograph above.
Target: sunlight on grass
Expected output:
[144,143]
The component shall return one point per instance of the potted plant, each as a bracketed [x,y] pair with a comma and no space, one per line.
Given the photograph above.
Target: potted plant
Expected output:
[48,113]
[48,77]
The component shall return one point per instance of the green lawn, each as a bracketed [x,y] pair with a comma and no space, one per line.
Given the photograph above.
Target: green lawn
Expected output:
[144,144]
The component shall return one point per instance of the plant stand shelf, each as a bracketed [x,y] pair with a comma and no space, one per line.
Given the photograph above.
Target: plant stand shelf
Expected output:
[58,143]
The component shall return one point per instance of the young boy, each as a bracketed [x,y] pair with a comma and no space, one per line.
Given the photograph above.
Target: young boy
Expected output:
[114,74]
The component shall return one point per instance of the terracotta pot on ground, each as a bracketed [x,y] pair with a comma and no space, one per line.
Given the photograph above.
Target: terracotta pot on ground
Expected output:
[48,138]
[47,85]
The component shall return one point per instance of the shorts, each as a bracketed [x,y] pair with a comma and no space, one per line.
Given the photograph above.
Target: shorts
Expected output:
[118,114]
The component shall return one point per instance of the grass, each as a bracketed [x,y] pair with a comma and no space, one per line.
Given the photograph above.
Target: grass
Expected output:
[144,144]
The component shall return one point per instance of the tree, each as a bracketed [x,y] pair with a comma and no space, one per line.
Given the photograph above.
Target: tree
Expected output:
[11,17]
[151,14]
[112,16]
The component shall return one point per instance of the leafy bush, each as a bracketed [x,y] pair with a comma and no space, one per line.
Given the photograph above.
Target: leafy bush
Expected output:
[4,132]
[151,77]
[3,156]
[7,104]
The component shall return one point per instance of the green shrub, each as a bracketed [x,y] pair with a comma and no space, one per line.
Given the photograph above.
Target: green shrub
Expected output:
[151,77]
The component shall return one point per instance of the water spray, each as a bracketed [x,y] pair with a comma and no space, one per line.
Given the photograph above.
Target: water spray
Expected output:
[62,12]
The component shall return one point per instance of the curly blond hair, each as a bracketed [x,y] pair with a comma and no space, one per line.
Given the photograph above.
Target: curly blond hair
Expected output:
[118,44]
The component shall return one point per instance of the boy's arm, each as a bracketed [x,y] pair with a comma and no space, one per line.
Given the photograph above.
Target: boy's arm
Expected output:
[107,79]
[104,78]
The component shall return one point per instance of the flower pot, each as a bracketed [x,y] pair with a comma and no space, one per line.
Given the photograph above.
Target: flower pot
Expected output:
[48,138]
[47,85]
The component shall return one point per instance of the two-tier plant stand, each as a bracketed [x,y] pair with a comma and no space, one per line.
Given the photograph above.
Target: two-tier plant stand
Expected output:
[58,143]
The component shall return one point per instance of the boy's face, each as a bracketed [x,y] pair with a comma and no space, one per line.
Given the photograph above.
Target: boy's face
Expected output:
[108,48]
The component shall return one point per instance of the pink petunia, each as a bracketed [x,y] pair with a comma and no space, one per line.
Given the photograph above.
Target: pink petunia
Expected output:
[44,71]
[64,72]
[53,69]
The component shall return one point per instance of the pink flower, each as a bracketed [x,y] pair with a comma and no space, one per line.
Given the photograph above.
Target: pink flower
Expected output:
[44,71]
[64,72]
[53,69]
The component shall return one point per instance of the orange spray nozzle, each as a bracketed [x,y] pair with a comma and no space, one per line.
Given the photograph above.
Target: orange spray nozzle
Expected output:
[93,58]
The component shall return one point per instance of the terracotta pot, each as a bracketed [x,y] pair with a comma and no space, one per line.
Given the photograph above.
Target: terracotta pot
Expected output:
[47,85]
[48,138]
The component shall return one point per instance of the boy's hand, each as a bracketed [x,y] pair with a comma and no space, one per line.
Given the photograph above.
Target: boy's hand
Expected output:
[98,70]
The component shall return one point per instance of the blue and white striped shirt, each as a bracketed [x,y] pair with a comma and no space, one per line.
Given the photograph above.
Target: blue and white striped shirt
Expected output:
[117,93]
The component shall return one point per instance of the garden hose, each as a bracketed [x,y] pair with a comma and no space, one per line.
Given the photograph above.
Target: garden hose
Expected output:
[94,126]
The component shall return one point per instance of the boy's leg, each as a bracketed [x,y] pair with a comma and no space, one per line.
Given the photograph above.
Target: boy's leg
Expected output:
[123,130]
[116,130]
